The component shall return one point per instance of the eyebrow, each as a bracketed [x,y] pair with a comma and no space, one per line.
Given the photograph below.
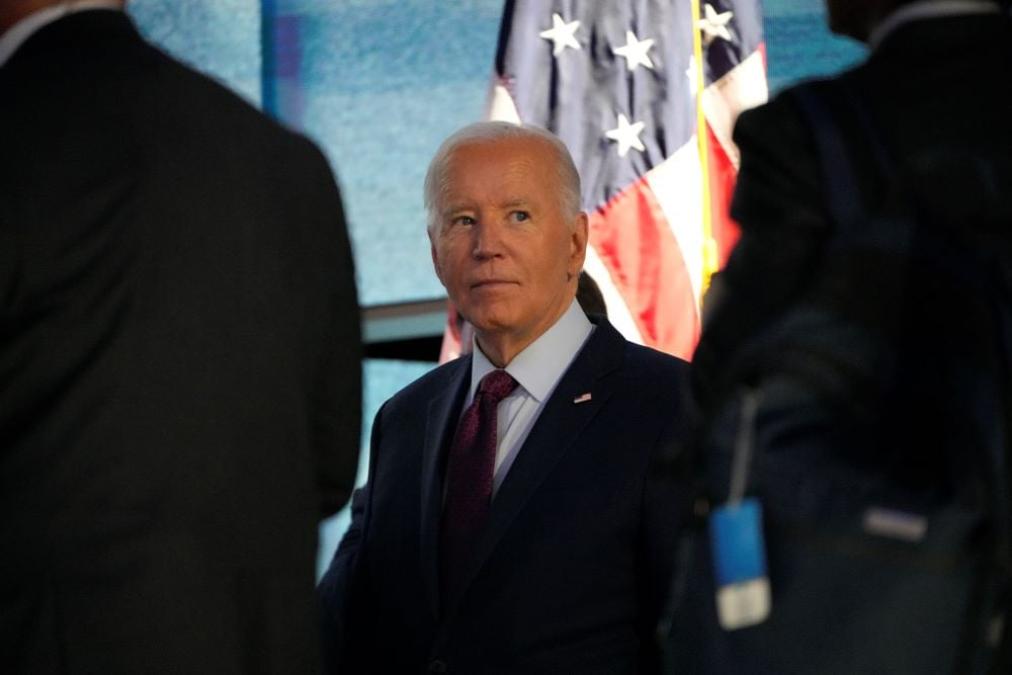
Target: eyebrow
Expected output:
[457,208]
[468,206]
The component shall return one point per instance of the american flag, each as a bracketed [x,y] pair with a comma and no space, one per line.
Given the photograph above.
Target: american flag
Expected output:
[619,82]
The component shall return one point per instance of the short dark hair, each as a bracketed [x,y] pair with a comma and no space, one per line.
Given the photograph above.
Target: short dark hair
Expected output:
[588,294]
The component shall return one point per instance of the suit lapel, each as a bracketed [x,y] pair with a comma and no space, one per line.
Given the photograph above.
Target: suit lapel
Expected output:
[440,425]
[557,431]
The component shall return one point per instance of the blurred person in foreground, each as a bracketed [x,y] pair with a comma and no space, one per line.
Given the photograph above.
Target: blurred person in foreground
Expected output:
[921,52]
[510,523]
[864,331]
[179,360]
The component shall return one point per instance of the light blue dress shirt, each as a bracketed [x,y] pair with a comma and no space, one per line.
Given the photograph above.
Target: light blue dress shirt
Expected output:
[537,370]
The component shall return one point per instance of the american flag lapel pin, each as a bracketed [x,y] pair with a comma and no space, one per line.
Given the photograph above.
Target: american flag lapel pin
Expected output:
[582,398]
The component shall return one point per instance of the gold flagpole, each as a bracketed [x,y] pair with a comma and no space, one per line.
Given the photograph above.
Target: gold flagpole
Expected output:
[709,243]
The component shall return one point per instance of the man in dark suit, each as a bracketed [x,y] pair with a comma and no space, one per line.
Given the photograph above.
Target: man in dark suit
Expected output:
[918,425]
[179,360]
[551,555]
[919,51]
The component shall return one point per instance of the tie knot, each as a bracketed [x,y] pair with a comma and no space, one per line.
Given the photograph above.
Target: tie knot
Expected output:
[497,385]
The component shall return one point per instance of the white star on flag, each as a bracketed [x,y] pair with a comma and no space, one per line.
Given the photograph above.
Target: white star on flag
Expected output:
[654,264]
[626,135]
[714,25]
[692,72]
[561,34]
[635,51]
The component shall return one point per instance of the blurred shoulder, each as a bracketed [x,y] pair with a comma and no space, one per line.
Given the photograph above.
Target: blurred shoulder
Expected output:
[184,98]
[779,177]
[775,124]
[780,122]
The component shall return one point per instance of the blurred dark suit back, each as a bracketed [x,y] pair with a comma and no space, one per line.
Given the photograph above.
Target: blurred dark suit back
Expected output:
[924,438]
[179,365]
[779,198]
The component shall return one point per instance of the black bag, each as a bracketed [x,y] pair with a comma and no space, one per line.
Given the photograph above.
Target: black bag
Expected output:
[876,433]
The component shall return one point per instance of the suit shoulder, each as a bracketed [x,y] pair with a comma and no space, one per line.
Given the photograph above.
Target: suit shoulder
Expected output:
[776,123]
[659,384]
[651,365]
[201,101]
[432,383]
[779,176]
[779,121]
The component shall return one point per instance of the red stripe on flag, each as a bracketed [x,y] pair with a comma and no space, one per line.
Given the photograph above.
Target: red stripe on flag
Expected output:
[722,177]
[634,241]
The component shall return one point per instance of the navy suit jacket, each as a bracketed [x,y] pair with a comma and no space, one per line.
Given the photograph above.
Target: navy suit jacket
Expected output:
[569,573]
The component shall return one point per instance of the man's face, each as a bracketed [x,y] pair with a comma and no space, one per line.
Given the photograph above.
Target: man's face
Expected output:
[502,245]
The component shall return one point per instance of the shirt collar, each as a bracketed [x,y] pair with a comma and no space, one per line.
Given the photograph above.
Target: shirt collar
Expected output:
[540,365]
[16,35]
[929,9]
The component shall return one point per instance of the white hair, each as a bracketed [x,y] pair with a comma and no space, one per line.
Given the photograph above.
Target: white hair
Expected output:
[488,132]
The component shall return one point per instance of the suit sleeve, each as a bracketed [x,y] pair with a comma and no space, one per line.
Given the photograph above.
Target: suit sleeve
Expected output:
[336,397]
[777,203]
[337,586]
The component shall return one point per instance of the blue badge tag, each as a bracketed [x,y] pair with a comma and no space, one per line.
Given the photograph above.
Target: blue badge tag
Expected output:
[739,560]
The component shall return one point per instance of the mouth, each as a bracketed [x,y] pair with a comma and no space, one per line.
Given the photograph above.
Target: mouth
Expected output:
[491,284]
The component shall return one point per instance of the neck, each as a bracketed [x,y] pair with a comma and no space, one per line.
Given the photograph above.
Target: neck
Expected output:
[13,11]
[500,351]
[909,11]
[873,22]
[500,347]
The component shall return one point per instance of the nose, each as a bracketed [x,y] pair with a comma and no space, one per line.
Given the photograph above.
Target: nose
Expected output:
[487,240]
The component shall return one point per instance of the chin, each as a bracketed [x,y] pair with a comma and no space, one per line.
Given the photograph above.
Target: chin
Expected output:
[490,326]
[488,315]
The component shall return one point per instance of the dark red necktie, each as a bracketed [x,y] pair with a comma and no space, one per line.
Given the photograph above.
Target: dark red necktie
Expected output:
[469,470]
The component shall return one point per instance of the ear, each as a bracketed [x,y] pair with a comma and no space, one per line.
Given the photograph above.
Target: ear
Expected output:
[435,260]
[578,245]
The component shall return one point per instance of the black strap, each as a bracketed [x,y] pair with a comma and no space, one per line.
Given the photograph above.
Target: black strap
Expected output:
[839,180]
[839,176]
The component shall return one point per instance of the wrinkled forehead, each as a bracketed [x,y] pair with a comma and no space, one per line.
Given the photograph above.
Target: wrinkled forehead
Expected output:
[512,164]
[500,151]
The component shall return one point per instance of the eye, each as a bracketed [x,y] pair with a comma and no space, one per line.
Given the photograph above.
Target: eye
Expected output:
[520,216]
[466,221]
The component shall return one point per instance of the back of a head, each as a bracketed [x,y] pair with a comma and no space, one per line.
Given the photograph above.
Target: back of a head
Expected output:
[589,295]
[12,11]
[858,18]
